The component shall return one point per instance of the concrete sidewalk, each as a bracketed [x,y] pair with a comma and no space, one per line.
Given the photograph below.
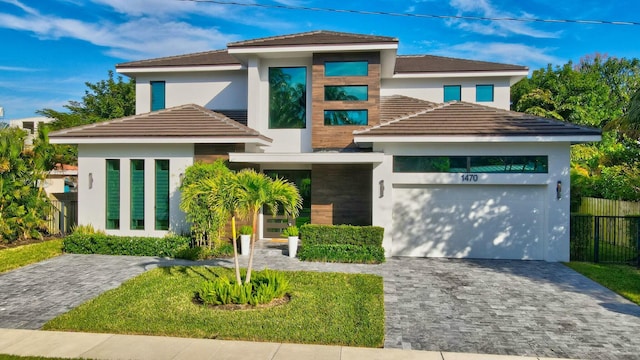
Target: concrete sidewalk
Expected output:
[109,346]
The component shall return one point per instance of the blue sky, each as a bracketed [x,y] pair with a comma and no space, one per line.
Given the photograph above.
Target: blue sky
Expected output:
[51,48]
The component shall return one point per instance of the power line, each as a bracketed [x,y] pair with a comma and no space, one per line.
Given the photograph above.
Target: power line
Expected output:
[429,16]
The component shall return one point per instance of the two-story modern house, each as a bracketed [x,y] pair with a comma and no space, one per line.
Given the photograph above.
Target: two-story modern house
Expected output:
[424,146]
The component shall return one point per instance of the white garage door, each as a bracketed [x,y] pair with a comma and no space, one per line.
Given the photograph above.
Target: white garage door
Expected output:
[475,221]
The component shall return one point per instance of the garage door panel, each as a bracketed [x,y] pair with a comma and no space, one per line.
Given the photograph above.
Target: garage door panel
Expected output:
[469,222]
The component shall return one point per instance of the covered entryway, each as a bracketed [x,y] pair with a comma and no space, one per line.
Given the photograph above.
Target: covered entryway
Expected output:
[469,221]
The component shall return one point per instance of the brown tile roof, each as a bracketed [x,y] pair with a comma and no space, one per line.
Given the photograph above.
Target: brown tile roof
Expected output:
[216,57]
[431,63]
[397,106]
[467,119]
[236,115]
[319,37]
[188,120]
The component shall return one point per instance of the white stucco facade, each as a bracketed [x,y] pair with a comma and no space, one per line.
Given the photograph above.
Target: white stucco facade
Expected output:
[92,184]
[554,226]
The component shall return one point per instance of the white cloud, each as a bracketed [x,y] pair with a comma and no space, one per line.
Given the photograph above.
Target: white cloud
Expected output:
[484,8]
[519,54]
[17,69]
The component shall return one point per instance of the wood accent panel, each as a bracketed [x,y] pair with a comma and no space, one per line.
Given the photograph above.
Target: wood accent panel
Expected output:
[339,137]
[208,153]
[341,194]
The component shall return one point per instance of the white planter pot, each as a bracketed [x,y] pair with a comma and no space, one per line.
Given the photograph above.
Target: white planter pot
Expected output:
[245,245]
[293,246]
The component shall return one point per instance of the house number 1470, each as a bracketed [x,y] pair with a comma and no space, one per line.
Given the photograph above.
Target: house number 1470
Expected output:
[469,178]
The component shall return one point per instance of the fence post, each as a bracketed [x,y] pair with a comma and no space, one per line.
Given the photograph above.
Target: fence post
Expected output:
[596,240]
[637,242]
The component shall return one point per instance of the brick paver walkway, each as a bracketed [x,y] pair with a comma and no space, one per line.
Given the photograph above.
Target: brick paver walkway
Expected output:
[477,306]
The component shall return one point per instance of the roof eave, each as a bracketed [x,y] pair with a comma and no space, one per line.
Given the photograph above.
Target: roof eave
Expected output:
[573,139]
[462,74]
[313,48]
[180,68]
[257,140]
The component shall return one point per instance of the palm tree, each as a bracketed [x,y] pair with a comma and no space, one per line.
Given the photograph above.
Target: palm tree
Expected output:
[629,123]
[257,190]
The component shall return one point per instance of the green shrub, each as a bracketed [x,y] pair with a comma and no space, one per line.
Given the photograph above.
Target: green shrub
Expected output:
[246,230]
[265,286]
[204,253]
[341,234]
[86,230]
[291,231]
[344,253]
[124,245]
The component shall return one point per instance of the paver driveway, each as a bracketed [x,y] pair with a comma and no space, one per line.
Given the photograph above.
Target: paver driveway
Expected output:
[481,306]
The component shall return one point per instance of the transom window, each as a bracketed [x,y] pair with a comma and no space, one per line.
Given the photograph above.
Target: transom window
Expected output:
[470,164]
[346,117]
[346,68]
[287,97]
[346,93]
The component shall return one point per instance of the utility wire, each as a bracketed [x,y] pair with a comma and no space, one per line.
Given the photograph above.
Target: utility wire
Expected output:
[430,16]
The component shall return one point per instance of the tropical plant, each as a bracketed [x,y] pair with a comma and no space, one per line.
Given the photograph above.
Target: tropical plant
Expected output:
[291,231]
[257,190]
[265,286]
[246,230]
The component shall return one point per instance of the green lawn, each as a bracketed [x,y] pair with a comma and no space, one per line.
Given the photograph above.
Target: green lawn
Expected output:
[325,308]
[623,279]
[13,258]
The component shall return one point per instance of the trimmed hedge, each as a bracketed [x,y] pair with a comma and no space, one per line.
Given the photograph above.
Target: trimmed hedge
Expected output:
[312,235]
[344,253]
[124,245]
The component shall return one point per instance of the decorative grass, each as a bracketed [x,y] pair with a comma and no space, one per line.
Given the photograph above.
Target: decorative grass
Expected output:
[623,279]
[14,258]
[325,308]
[16,357]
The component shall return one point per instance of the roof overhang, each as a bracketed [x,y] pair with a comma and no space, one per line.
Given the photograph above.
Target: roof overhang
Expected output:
[515,75]
[261,140]
[173,69]
[577,139]
[250,50]
[308,158]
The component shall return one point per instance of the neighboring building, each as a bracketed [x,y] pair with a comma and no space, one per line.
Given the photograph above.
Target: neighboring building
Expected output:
[424,146]
[31,126]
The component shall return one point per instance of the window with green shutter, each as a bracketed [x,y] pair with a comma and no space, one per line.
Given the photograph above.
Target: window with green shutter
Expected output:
[113,194]
[162,195]
[157,95]
[137,194]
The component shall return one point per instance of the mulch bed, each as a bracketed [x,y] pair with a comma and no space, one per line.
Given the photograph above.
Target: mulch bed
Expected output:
[233,307]
[5,245]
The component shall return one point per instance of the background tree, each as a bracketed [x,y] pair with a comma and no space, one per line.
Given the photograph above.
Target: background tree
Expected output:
[602,92]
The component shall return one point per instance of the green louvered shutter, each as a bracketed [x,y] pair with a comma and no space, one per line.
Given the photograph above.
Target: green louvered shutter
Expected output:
[113,194]
[157,95]
[137,194]
[162,194]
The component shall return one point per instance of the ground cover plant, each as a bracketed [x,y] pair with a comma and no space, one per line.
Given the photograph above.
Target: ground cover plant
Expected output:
[324,308]
[13,258]
[623,279]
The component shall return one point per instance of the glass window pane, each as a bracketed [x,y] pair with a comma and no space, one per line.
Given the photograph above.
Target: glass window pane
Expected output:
[113,194]
[452,92]
[137,194]
[509,164]
[287,98]
[346,93]
[346,68]
[346,117]
[484,93]
[440,164]
[157,95]
[162,195]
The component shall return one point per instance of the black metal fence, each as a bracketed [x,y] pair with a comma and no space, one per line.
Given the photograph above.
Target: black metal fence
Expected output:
[63,216]
[607,239]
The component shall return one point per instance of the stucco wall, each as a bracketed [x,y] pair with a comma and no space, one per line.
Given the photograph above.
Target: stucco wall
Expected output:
[92,195]
[222,90]
[432,89]
[556,226]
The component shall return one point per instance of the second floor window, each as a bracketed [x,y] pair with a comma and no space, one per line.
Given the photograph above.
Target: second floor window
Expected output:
[346,68]
[157,95]
[452,92]
[287,97]
[346,93]
[484,93]
[346,117]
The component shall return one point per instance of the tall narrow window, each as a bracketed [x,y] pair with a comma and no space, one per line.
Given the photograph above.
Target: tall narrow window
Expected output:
[113,194]
[157,95]
[287,98]
[484,93]
[452,92]
[137,194]
[162,195]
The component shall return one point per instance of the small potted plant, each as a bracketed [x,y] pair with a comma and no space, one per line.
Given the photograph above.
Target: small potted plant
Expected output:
[292,233]
[245,239]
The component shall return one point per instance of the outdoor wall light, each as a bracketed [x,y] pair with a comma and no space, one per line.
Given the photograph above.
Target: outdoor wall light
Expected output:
[559,190]
[90,180]
[181,176]
[381,185]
